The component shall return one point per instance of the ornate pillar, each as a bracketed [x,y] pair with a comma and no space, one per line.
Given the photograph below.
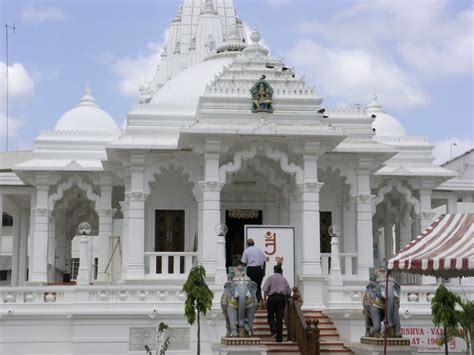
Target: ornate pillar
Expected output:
[425,215]
[105,212]
[31,234]
[295,220]
[211,212]
[1,220]
[349,225]
[39,251]
[136,218]
[364,220]
[16,247]
[84,274]
[311,263]
[452,203]
[123,237]
[52,247]
[311,279]
[387,229]
[23,257]
[197,192]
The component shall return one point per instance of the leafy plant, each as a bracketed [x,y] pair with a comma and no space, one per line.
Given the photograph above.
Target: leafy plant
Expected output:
[198,299]
[162,327]
[464,314]
[449,310]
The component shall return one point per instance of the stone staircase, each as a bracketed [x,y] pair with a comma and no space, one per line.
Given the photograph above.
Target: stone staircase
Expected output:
[330,342]
[328,335]
[262,330]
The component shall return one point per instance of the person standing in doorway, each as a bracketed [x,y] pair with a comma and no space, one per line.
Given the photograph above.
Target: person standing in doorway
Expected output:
[254,259]
[276,291]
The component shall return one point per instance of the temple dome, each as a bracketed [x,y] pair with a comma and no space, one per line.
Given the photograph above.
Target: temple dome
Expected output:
[184,90]
[384,124]
[87,116]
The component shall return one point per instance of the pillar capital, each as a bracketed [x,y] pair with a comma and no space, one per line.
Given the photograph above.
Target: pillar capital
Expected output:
[137,196]
[310,186]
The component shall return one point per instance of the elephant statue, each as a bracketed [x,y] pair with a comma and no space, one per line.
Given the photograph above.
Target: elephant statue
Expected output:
[239,304]
[374,306]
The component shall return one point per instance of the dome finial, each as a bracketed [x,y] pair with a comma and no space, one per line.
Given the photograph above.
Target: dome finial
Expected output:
[255,36]
[374,105]
[88,99]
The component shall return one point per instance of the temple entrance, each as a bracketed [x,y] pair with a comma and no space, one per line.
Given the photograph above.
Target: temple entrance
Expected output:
[325,221]
[235,221]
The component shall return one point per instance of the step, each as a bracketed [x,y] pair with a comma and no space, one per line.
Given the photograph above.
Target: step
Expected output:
[336,352]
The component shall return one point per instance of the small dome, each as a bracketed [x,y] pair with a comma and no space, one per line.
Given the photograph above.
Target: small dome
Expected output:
[384,124]
[86,116]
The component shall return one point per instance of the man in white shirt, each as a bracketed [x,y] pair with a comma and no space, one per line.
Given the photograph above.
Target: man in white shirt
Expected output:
[254,259]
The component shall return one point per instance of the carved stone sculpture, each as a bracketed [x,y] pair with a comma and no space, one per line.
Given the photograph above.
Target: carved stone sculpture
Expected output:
[239,304]
[374,300]
[262,94]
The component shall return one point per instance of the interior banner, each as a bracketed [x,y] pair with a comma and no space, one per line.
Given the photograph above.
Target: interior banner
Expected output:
[278,245]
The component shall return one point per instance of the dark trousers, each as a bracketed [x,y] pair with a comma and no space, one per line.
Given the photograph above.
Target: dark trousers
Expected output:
[256,273]
[276,308]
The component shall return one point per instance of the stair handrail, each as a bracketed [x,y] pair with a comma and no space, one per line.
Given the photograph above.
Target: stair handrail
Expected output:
[304,332]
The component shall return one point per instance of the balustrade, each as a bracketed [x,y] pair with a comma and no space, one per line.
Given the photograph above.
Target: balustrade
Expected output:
[169,265]
[348,265]
[303,331]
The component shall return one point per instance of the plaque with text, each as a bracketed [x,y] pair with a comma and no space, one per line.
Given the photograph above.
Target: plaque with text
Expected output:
[179,338]
[139,337]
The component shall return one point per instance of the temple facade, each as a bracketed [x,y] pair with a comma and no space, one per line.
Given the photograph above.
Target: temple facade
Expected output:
[202,148]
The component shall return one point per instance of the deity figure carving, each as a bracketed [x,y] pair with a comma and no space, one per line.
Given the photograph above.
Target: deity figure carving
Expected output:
[262,94]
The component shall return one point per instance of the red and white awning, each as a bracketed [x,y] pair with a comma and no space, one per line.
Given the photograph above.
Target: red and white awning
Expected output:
[445,249]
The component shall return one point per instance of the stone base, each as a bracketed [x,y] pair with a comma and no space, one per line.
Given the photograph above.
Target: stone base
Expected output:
[380,341]
[242,346]
[377,349]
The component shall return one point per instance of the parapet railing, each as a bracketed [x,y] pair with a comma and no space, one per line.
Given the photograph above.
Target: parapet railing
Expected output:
[169,264]
[303,331]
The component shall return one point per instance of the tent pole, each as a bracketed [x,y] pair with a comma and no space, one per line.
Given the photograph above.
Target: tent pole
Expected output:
[385,321]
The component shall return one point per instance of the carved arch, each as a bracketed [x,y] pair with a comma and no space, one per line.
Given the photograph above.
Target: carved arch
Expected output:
[403,190]
[158,167]
[273,154]
[66,185]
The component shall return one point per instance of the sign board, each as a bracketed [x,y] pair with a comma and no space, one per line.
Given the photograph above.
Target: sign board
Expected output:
[179,339]
[278,245]
[139,337]
[426,339]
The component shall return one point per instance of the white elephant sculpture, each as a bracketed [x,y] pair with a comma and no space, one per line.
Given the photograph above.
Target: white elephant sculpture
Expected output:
[239,304]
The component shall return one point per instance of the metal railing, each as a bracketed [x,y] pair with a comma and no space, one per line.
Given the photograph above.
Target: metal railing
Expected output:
[304,332]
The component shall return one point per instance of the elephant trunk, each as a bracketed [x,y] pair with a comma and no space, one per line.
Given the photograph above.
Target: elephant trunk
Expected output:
[242,305]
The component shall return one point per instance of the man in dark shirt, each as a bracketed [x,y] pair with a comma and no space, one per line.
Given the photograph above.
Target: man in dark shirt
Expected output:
[275,293]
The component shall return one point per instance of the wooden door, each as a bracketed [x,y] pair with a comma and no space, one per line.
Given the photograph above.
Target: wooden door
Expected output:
[169,230]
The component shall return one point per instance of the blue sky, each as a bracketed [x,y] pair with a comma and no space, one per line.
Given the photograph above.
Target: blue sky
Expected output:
[416,55]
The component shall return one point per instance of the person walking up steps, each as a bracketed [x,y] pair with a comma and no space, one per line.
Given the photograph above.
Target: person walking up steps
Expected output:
[276,291]
[254,259]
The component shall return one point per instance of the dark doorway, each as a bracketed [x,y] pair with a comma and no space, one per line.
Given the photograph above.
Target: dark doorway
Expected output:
[234,240]
[325,221]
[169,230]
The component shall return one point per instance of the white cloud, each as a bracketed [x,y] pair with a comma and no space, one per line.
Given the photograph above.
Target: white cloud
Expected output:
[457,146]
[14,125]
[426,37]
[20,82]
[40,14]
[133,72]
[352,75]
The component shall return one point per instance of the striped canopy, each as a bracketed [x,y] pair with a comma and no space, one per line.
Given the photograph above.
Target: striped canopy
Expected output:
[445,249]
